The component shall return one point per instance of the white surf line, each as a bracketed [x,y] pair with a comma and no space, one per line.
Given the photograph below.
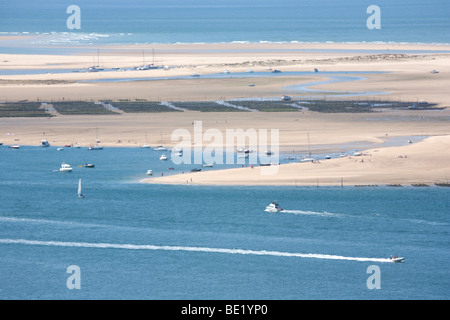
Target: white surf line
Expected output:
[189,249]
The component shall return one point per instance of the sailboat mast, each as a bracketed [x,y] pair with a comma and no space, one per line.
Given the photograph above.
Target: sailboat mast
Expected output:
[309,146]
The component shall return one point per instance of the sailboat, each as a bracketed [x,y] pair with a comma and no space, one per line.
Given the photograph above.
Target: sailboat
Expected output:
[310,158]
[80,195]
[146,145]
[96,147]
[96,68]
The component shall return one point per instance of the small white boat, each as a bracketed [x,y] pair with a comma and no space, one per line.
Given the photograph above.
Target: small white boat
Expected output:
[196,75]
[160,148]
[14,146]
[274,207]
[245,155]
[45,143]
[268,152]
[357,153]
[149,172]
[250,71]
[286,98]
[145,146]
[226,71]
[65,167]
[328,157]
[163,157]
[60,149]
[95,148]
[397,259]
[89,165]
[207,165]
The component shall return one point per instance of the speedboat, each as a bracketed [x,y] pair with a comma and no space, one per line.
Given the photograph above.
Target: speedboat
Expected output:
[149,172]
[163,157]
[96,147]
[65,167]
[274,207]
[397,259]
[45,143]
[286,98]
[15,146]
[160,148]
[89,165]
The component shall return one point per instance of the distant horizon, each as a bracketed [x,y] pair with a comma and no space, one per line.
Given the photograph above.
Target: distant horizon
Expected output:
[199,21]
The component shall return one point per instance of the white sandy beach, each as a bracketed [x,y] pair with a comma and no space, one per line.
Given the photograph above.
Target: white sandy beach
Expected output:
[407,77]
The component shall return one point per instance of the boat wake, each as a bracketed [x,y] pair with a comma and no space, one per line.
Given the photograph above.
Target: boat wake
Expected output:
[301,212]
[189,249]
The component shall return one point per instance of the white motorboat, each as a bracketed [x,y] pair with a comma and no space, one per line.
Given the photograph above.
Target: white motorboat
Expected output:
[207,165]
[95,148]
[286,98]
[14,146]
[149,172]
[274,207]
[45,143]
[65,167]
[160,148]
[327,157]
[163,157]
[397,259]
[357,153]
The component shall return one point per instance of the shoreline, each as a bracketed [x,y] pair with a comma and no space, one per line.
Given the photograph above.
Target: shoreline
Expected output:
[405,77]
[392,166]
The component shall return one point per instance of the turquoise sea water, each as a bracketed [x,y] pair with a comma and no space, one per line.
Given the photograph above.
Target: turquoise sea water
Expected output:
[224,21]
[142,241]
